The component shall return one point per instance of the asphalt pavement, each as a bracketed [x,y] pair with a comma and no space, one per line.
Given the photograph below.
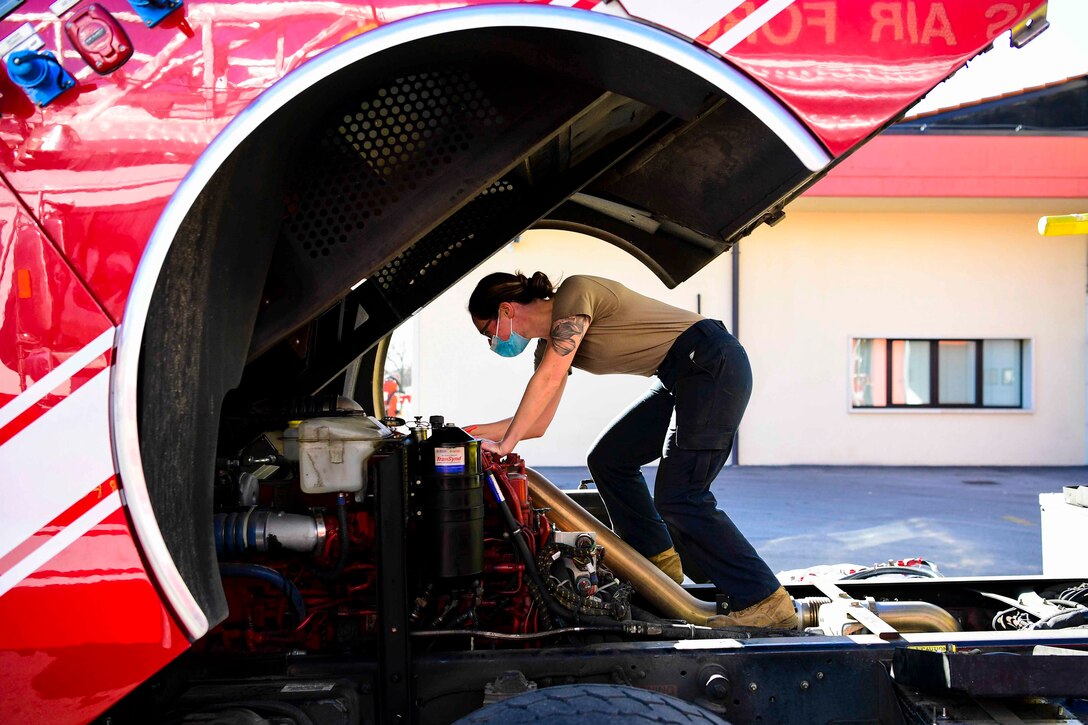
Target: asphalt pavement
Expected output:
[968,521]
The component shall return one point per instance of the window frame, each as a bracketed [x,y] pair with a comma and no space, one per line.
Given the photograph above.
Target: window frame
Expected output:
[1025,346]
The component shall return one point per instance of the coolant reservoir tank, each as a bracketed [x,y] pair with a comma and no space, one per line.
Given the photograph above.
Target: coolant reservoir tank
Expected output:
[332,452]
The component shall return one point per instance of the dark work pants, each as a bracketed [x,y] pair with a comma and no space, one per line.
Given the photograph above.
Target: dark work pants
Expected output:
[707,380]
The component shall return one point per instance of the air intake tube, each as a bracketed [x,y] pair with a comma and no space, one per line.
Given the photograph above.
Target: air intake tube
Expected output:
[258,530]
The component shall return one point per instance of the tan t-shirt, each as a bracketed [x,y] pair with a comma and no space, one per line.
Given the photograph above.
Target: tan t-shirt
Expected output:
[628,332]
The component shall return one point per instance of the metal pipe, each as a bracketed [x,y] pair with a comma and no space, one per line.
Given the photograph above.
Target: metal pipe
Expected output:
[905,617]
[262,530]
[808,611]
[912,617]
[671,600]
[735,292]
[485,634]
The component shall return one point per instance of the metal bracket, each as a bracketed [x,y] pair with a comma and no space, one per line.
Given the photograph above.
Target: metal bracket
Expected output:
[1029,28]
[855,609]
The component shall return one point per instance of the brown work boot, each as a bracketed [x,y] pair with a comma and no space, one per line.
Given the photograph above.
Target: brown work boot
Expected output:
[775,611]
[668,561]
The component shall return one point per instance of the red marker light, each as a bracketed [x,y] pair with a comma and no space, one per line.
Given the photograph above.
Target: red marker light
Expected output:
[99,39]
[22,283]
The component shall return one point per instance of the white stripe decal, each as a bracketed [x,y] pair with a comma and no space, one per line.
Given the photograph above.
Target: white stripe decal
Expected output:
[689,18]
[58,543]
[55,461]
[563,3]
[56,376]
[749,25]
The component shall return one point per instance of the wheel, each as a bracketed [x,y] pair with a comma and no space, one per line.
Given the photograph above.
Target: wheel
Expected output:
[579,704]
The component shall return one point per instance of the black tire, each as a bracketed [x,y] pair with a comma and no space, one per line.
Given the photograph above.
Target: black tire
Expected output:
[581,704]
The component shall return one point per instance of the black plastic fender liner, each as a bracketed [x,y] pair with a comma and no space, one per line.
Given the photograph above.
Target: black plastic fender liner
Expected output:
[193,353]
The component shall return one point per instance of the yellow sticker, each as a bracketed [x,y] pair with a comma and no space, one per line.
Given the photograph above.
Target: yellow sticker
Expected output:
[934,647]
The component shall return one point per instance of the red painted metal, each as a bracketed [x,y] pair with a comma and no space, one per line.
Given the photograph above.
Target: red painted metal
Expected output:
[47,314]
[1039,167]
[83,630]
[849,68]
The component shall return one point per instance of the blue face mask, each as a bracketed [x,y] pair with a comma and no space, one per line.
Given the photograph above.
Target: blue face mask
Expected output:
[511,347]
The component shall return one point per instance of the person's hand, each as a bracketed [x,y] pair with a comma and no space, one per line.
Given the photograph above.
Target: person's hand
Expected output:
[486,431]
[499,448]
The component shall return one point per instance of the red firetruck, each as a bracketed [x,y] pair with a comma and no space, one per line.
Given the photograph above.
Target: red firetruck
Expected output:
[215,213]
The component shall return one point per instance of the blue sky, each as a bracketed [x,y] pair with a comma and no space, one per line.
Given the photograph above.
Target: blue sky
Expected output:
[1061,51]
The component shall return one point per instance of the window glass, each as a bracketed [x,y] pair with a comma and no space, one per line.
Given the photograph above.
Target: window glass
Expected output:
[910,372]
[886,372]
[1001,376]
[956,375]
[398,384]
[870,379]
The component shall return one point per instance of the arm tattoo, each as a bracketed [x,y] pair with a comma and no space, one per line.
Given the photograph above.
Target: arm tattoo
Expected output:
[567,333]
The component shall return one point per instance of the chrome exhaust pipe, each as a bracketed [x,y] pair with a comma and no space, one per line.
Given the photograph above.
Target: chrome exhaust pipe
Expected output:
[670,599]
[905,617]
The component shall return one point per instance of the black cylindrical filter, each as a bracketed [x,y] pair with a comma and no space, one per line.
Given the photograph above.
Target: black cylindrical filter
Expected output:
[454,501]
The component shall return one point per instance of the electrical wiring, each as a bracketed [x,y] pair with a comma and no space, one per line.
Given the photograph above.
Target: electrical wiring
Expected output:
[1069,609]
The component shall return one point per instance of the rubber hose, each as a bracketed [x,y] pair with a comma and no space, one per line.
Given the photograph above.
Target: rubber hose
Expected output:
[907,571]
[255,571]
[345,542]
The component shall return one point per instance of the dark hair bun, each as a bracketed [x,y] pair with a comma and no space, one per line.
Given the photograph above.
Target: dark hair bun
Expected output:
[539,285]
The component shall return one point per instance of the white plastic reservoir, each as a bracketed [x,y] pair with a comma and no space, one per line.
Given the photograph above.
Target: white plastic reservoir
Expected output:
[332,452]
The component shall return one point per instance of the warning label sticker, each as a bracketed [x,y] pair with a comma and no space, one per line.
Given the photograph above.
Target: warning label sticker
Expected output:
[934,647]
[449,460]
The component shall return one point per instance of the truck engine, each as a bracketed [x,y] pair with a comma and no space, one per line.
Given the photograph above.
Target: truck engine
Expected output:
[320,507]
[297,533]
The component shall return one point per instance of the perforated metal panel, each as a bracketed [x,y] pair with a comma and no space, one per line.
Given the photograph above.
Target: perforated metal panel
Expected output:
[411,183]
[392,141]
[432,254]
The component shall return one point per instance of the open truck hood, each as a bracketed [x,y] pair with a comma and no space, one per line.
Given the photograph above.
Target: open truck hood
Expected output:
[510,136]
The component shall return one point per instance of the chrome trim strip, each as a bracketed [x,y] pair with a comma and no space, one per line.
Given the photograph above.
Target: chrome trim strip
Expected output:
[130,335]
